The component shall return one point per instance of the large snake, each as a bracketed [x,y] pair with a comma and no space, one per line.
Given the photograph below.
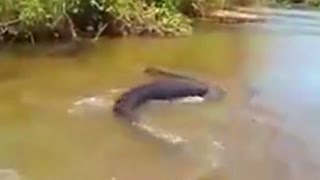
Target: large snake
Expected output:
[172,86]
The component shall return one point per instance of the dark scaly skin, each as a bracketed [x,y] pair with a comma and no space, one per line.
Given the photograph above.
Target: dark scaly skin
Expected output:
[153,71]
[168,89]
[214,93]
[171,87]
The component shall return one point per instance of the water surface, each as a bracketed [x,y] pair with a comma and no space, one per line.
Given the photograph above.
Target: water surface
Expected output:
[266,128]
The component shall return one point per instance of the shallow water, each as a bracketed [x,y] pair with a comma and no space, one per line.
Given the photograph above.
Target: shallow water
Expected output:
[266,128]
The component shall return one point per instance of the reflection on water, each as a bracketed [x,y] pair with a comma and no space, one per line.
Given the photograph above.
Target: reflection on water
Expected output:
[291,82]
[266,128]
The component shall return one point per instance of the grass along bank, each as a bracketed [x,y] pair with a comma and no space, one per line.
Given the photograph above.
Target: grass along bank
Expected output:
[35,20]
[43,20]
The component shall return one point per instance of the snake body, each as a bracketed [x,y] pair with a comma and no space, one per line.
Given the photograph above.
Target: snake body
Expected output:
[171,87]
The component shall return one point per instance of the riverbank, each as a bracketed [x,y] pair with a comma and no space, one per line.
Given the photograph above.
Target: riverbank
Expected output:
[43,20]
[57,20]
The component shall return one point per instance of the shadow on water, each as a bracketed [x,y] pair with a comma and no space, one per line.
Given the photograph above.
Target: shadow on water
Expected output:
[266,128]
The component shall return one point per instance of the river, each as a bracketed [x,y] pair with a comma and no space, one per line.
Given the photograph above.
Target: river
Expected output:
[265,128]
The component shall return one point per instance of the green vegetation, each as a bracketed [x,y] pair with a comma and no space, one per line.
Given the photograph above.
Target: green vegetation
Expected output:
[33,20]
[36,20]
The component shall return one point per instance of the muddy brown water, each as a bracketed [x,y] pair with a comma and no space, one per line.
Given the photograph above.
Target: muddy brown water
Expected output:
[266,127]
